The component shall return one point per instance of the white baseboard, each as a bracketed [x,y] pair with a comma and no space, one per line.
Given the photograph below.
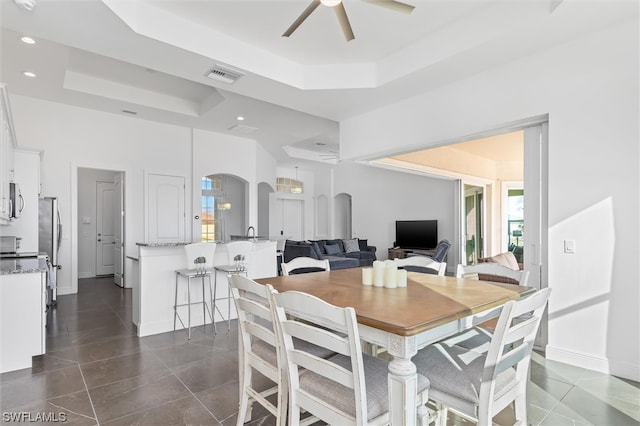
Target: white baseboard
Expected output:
[602,365]
[82,275]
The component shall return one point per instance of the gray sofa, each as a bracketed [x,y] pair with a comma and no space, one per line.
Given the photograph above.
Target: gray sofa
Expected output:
[341,254]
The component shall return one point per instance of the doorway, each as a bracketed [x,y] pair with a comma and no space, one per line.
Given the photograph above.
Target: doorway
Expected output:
[473,223]
[100,224]
[343,216]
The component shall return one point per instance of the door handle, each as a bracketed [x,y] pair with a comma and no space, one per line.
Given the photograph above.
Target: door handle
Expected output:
[99,239]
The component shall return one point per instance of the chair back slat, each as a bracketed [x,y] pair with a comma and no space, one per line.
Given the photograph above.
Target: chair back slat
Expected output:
[318,336]
[489,269]
[300,263]
[322,367]
[423,262]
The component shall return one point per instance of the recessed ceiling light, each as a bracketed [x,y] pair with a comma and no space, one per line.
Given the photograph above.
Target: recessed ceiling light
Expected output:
[29,74]
[27,5]
[240,118]
[27,40]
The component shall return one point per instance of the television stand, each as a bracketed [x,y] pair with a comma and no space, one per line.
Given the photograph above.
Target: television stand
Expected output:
[400,253]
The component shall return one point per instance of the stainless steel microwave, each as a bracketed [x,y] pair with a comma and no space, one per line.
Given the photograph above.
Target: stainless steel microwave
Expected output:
[16,201]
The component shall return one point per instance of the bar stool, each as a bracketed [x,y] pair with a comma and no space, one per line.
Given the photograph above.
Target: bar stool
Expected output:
[199,265]
[238,253]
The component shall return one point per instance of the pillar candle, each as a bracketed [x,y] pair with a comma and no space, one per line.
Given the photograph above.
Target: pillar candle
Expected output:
[367,276]
[378,273]
[401,277]
[390,276]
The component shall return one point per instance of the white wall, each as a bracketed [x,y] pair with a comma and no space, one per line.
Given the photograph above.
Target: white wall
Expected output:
[74,138]
[215,153]
[589,89]
[379,197]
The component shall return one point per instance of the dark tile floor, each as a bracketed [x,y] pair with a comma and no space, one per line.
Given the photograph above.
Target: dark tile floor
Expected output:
[96,371]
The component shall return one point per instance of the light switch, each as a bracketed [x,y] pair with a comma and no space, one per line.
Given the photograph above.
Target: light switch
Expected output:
[86,219]
[569,246]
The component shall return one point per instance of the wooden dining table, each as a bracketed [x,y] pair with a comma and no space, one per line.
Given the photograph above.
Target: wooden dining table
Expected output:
[401,320]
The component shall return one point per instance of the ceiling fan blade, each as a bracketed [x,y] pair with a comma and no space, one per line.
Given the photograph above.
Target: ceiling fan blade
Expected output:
[341,13]
[393,5]
[304,15]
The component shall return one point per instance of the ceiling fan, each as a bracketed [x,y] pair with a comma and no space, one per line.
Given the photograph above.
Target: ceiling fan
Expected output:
[341,13]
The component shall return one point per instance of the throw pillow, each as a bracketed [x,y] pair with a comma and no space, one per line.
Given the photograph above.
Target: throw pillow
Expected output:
[363,244]
[332,249]
[351,246]
[506,259]
[317,253]
[338,242]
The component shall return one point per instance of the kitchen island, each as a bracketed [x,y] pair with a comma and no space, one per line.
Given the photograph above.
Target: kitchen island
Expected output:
[154,291]
[23,306]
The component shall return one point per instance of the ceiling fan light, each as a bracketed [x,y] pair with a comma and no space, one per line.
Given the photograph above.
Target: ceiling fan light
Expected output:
[330,3]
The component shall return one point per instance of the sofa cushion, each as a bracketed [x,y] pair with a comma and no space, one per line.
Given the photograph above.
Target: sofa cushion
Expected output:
[332,249]
[363,244]
[336,262]
[338,242]
[351,246]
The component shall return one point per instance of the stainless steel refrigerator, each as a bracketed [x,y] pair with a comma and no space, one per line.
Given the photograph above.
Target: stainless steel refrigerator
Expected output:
[49,239]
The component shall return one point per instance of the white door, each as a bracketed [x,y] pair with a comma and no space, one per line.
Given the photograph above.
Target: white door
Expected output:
[165,209]
[105,228]
[118,215]
[292,226]
[535,214]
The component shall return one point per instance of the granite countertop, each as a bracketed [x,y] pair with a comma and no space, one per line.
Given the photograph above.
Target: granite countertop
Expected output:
[22,266]
[162,244]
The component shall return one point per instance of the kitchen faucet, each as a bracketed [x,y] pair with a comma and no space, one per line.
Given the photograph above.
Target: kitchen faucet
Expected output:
[253,232]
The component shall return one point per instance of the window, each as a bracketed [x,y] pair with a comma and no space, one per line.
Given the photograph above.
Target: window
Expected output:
[515,222]
[208,209]
[292,186]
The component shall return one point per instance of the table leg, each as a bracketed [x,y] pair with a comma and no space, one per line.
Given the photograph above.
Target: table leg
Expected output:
[403,381]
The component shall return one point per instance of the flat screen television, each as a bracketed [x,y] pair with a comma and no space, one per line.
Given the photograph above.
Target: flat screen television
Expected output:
[417,234]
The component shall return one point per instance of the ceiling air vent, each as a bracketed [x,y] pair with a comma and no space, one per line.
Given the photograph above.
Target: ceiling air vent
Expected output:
[224,74]
[241,128]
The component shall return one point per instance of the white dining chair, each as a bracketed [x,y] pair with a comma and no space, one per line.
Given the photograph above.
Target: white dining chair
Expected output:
[422,264]
[479,336]
[303,264]
[238,257]
[480,384]
[259,349]
[199,261]
[348,388]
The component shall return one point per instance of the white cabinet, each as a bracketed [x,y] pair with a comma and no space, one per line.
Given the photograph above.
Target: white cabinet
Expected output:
[22,318]
[7,146]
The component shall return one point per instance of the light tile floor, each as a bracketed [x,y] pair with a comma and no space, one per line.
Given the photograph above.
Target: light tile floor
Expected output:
[96,371]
